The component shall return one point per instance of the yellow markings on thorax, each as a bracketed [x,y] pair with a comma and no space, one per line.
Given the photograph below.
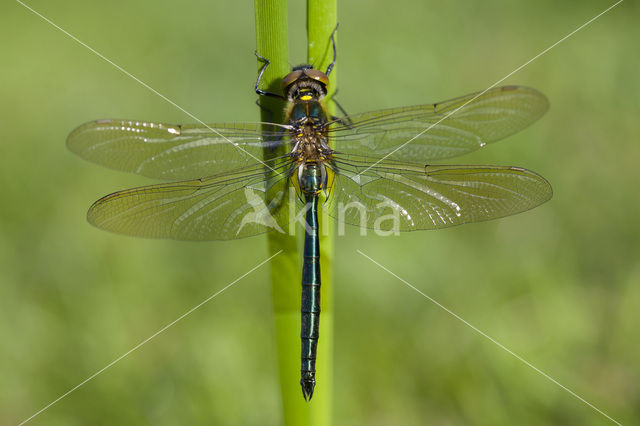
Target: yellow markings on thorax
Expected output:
[331,176]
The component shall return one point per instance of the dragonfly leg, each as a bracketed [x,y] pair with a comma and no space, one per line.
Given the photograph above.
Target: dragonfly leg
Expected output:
[333,42]
[265,109]
[345,117]
[259,91]
[275,142]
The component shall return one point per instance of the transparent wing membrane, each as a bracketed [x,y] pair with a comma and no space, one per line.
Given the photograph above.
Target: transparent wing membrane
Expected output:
[164,151]
[401,197]
[237,199]
[233,205]
[494,115]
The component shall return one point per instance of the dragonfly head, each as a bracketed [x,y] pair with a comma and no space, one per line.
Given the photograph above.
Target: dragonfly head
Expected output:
[305,83]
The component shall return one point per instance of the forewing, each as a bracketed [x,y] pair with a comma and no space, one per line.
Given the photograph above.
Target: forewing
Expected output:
[395,197]
[442,130]
[164,151]
[235,205]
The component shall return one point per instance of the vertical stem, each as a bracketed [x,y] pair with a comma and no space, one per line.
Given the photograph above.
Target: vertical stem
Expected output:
[322,18]
[272,43]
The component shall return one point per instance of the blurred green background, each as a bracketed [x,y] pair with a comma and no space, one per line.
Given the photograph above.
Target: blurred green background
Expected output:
[559,285]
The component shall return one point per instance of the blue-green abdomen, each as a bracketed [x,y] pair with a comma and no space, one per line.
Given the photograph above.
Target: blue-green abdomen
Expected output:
[311,183]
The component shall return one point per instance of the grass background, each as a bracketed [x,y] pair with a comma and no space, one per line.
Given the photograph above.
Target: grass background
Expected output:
[559,285]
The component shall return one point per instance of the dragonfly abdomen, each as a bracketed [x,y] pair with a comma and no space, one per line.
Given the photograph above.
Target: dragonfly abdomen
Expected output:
[310,306]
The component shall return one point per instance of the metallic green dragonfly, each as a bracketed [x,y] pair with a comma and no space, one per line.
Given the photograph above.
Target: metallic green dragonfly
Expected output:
[225,191]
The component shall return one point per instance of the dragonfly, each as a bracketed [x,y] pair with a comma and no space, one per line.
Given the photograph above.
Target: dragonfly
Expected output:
[379,164]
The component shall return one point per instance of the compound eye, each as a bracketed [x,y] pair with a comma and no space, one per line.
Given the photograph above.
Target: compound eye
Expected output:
[319,76]
[291,78]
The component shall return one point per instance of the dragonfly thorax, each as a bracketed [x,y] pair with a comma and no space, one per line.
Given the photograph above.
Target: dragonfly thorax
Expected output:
[308,132]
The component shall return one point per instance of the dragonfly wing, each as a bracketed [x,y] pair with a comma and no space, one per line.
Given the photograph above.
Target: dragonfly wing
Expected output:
[235,205]
[405,198]
[441,130]
[164,151]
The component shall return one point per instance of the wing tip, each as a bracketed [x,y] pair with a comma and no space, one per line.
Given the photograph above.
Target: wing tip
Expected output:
[544,101]
[74,139]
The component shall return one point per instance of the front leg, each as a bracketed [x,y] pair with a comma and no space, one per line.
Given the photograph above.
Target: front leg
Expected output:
[258,90]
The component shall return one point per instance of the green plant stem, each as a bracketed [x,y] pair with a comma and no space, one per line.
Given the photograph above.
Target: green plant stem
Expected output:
[272,43]
[322,18]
